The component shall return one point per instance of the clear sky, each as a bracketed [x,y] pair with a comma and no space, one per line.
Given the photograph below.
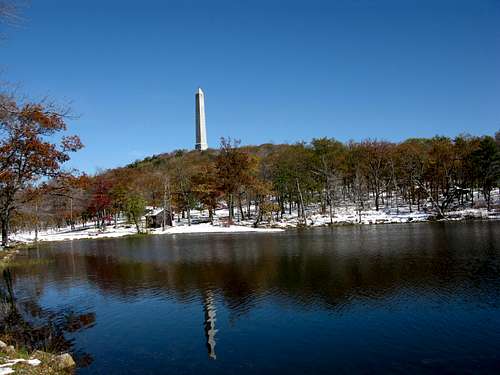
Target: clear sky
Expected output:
[272,70]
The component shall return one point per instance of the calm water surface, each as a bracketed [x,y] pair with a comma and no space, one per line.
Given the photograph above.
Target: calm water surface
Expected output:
[412,298]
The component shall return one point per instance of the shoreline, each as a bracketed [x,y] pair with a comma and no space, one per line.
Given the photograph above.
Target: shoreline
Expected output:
[14,359]
[314,221]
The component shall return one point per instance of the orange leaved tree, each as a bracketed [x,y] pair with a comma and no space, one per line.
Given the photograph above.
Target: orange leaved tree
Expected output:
[30,150]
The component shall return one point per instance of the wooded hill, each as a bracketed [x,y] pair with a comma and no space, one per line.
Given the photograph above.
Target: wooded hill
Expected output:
[260,182]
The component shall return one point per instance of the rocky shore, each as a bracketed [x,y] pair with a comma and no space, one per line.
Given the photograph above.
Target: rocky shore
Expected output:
[16,361]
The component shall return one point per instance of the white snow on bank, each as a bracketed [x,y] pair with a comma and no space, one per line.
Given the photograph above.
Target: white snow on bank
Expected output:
[66,234]
[345,215]
[349,216]
[6,368]
[208,228]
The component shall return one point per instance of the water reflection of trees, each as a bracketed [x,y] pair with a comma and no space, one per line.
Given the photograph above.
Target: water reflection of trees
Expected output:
[26,324]
[328,268]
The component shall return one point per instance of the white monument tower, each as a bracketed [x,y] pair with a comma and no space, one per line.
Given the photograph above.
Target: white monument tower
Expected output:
[201,129]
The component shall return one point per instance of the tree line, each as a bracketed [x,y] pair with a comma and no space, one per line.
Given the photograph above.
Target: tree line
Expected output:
[257,183]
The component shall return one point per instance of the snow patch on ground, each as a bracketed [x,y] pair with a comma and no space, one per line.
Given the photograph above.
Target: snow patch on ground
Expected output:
[66,234]
[6,368]
[348,216]
[208,228]
[342,216]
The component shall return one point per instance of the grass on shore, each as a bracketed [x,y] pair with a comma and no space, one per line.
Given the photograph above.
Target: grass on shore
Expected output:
[48,365]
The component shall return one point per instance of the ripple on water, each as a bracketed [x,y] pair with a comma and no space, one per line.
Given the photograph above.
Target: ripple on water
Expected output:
[384,299]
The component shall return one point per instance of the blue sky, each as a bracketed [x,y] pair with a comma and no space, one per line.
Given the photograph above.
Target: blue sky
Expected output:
[279,71]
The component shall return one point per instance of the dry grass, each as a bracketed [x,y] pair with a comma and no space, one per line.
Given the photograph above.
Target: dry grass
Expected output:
[48,365]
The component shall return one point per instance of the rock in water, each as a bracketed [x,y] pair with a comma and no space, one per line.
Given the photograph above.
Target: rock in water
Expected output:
[65,361]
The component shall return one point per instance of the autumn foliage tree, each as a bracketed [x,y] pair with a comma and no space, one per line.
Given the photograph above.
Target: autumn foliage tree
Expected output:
[235,169]
[29,151]
[205,187]
[101,200]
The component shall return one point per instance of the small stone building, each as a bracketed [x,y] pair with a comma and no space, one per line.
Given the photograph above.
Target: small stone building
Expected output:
[154,218]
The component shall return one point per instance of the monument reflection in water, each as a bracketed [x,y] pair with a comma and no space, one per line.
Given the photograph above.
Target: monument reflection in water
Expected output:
[396,298]
[210,331]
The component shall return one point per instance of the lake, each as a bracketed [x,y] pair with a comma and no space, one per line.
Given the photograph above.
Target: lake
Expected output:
[402,298]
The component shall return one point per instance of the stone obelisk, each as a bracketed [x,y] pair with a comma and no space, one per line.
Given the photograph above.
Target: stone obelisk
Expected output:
[201,129]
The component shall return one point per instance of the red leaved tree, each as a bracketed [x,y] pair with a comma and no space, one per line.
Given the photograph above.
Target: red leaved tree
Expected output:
[29,151]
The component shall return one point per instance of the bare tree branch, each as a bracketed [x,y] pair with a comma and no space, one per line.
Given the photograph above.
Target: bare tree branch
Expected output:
[10,11]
